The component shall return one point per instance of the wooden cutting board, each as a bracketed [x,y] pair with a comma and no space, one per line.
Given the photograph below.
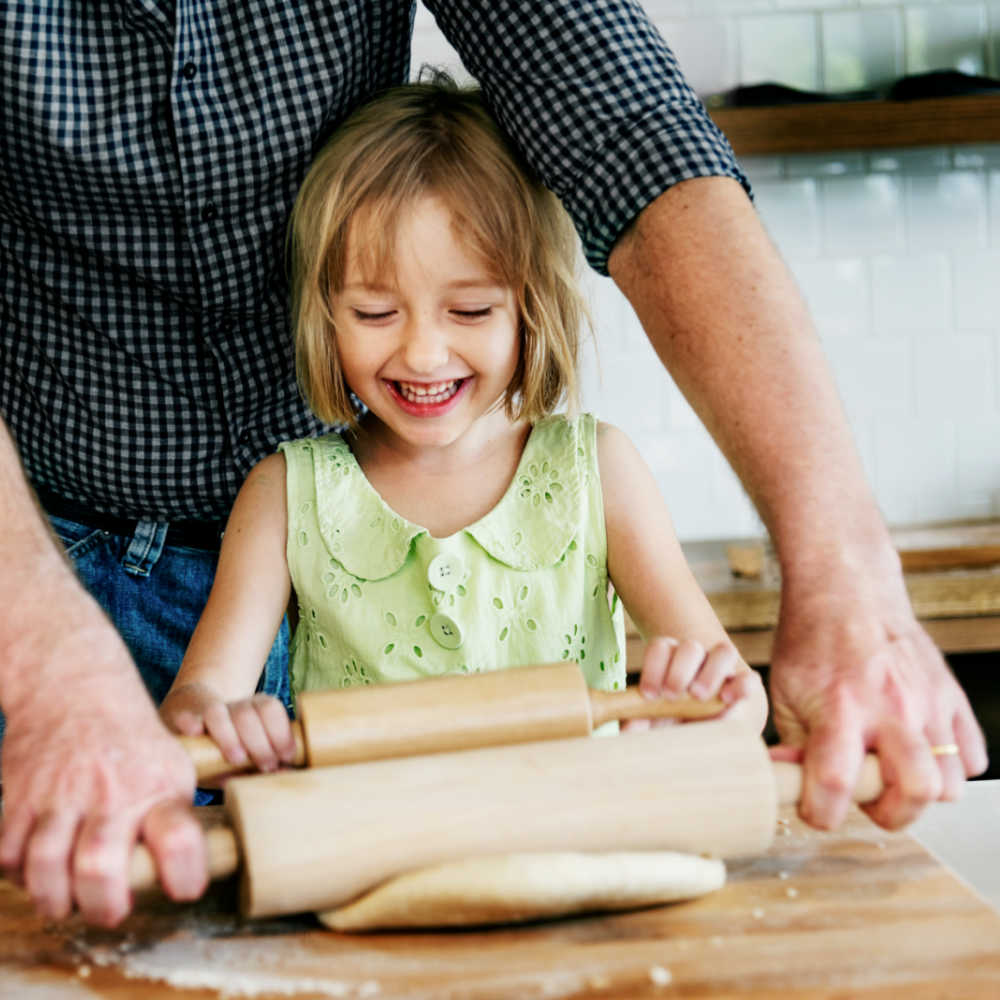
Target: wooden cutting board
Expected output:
[859,913]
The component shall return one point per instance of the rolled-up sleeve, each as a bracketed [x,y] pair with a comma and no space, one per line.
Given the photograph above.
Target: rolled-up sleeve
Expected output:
[594,99]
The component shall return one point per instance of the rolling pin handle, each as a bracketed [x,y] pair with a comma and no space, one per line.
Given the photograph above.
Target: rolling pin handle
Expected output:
[209,762]
[788,778]
[606,706]
[223,859]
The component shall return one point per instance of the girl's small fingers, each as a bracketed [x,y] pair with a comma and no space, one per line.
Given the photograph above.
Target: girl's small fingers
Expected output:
[663,723]
[786,752]
[277,726]
[253,735]
[634,725]
[187,723]
[736,693]
[684,666]
[738,687]
[720,663]
[655,661]
[219,725]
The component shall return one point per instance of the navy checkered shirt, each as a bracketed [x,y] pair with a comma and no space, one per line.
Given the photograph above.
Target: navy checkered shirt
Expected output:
[151,152]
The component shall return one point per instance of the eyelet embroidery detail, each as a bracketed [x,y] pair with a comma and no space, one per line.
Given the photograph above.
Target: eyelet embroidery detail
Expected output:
[569,548]
[440,599]
[576,645]
[512,614]
[354,674]
[540,483]
[341,585]
[596,572]
[382,520]
[603,666]
[310,633]
[341,461]
[301,518]
[404,642]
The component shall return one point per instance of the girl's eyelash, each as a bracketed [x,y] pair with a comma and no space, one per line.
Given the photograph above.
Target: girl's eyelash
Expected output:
[481,313]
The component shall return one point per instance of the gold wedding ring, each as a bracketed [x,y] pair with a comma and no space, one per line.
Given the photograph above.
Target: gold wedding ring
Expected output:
[944,749]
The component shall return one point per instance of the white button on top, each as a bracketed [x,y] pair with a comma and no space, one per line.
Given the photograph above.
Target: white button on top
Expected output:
[445,572]
[446,631]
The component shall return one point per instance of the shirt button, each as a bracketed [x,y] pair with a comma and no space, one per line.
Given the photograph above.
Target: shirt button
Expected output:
[209,213]
[190,71]
[446,632]
[445,572]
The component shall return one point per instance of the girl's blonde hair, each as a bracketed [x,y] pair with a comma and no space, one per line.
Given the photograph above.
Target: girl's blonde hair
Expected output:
[434,138]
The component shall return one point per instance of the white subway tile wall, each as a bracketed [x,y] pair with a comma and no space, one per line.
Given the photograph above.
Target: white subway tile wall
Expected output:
[897,253]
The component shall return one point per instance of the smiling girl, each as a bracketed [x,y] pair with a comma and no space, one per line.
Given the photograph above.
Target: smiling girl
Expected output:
[455,523]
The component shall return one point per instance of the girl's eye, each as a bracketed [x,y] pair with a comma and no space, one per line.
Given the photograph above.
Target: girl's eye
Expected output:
[364,316]
[473,313]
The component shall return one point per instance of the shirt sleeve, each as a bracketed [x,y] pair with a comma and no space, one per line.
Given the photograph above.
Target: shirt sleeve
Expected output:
[595,101]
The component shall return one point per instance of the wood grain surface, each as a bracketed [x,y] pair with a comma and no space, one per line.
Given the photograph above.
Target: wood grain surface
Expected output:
[855,914]
[840,125]
[959,606]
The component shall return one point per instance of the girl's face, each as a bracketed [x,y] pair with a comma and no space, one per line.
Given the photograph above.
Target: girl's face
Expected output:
[431,350]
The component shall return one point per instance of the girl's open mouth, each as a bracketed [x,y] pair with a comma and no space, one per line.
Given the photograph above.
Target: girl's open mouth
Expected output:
[427,398]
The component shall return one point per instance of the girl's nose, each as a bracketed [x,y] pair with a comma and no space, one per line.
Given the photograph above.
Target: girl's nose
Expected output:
[426,347]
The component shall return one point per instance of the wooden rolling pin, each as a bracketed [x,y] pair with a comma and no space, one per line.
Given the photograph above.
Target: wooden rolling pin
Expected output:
[314,839]
[455,712]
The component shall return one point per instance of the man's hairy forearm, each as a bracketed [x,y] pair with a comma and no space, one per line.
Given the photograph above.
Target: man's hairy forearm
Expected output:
[27,548]
[39,595]
[726,318]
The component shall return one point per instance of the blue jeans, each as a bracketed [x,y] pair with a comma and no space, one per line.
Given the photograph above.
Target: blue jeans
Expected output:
[154,595]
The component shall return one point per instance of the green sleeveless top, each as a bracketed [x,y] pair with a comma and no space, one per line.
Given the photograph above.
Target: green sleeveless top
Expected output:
[381,600]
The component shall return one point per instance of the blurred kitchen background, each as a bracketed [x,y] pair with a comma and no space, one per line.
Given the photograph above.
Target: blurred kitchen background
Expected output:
[897,252]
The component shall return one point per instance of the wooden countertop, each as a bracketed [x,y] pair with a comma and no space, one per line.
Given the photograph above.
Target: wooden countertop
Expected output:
[959,607]
[859,913]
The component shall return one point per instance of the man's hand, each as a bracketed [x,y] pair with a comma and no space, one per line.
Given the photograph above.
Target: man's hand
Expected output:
[87,770]
[88,767]
[853,672]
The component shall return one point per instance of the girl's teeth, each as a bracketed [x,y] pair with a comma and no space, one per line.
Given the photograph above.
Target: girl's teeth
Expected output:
[436,393]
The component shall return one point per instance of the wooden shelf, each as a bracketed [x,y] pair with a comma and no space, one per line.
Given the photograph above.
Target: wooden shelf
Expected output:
[959,605]
[855,125]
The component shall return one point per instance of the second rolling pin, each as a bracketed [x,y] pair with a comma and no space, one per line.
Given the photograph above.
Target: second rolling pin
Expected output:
[314,839]
[456,712]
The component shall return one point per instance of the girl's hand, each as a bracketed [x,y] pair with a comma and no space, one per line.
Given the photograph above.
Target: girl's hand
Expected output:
[672,669]
[256,728]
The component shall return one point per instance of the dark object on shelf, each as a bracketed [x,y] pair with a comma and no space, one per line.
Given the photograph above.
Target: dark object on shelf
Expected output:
[769,95]
[941,83]
[919,86]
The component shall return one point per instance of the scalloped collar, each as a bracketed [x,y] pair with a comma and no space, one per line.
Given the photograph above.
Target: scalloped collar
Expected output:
[530,527]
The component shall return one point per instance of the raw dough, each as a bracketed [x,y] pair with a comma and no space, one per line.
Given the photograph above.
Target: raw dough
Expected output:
[528,886]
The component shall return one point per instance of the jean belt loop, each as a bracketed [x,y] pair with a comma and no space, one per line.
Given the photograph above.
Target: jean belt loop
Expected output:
[145,547]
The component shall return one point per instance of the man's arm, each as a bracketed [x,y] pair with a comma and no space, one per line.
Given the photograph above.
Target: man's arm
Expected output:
[852,669]
[87,765]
